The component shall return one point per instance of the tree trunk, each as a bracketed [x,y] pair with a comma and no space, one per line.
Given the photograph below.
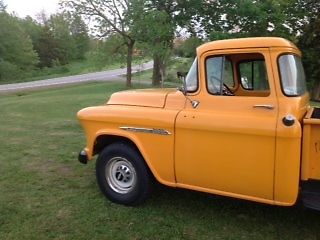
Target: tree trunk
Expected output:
[156,77]
[129,62]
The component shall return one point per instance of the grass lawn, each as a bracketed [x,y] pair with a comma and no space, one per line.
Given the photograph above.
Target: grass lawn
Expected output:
[46,194]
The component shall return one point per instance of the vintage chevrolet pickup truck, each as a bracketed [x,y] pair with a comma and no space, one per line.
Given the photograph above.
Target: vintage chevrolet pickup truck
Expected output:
[241,127]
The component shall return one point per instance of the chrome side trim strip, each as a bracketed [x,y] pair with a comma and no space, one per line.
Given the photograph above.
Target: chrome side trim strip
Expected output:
[147,130]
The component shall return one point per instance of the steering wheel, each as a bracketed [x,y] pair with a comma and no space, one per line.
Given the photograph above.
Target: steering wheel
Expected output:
[226,90]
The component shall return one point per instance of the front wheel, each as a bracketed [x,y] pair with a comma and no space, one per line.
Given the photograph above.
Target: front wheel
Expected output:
[122,174]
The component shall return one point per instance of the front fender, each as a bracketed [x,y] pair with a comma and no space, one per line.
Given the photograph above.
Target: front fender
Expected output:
[160,162]
[157,149]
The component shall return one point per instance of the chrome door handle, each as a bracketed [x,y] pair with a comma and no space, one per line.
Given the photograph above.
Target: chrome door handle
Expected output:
[266,106]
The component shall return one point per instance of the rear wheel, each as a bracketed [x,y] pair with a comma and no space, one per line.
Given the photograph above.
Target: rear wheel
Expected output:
[122,174]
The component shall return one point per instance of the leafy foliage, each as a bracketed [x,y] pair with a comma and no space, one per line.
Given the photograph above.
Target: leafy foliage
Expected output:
[154,24]
[60,39]
[16,50]
[154,29]
[110,18]
[296,20]
[79,32]
[126,28]
[309,42]
[2,6]
[245,18]
[187,48]
[108,51]
[27,44]
[48,48]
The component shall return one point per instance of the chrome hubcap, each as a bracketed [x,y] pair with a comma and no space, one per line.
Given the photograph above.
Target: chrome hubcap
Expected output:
[120,175]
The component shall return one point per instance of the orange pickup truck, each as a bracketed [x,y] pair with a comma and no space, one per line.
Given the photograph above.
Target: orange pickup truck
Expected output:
[241,126]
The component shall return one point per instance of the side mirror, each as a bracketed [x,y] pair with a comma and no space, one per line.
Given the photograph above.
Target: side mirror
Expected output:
[182,77]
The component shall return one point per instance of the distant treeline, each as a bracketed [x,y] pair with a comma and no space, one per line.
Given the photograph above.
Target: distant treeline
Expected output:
[26,44]
[156,28]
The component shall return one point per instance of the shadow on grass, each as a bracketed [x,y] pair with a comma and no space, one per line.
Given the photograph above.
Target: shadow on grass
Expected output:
[272,222]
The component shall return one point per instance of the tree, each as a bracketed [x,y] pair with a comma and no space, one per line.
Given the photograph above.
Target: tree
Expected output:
[71,34]
[47,48]
[31,27]
[102,50]
[189,15]
[307,24]
[59,25]
[154,24]
[245,18]
[43,40]
[16,51]
[159,20]
[110,16]
[3,7]
[154,29]
[58,39]
[189,46]
[34,30]
[79,32]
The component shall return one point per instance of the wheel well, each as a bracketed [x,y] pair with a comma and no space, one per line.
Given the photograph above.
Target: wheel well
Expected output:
[105,140]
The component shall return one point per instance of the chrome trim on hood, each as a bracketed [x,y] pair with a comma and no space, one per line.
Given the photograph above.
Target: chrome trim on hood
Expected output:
[147,130]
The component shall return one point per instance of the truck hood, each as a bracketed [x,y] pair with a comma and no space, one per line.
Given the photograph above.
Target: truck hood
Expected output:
[144,97]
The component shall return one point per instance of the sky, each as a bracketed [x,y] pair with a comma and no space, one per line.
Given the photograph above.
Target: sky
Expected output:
[31,7]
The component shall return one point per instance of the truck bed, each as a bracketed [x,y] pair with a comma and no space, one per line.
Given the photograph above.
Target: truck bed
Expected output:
[310,165]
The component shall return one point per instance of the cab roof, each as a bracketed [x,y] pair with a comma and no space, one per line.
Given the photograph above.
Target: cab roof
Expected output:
[257,42]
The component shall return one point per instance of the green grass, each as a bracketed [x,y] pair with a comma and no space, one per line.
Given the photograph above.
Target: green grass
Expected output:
[315,104]
[143,76]
[46,194]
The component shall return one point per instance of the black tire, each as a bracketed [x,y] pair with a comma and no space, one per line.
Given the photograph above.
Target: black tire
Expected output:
[122,174]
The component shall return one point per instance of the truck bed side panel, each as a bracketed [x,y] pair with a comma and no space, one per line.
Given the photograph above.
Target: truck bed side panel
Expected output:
[310,166]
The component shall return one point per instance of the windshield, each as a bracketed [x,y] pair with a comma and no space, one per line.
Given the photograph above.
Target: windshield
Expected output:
[293,79]
[192,77]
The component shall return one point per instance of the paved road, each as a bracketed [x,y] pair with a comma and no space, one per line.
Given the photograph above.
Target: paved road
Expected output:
[89,77]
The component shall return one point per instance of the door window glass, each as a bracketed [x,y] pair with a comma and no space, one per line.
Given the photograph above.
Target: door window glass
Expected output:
[293,79]
[253,75]
[192,77]
[219,75]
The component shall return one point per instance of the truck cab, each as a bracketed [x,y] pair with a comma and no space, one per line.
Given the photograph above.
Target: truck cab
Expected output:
[241,127]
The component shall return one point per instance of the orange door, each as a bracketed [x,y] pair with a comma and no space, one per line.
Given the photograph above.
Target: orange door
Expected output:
[226,145]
